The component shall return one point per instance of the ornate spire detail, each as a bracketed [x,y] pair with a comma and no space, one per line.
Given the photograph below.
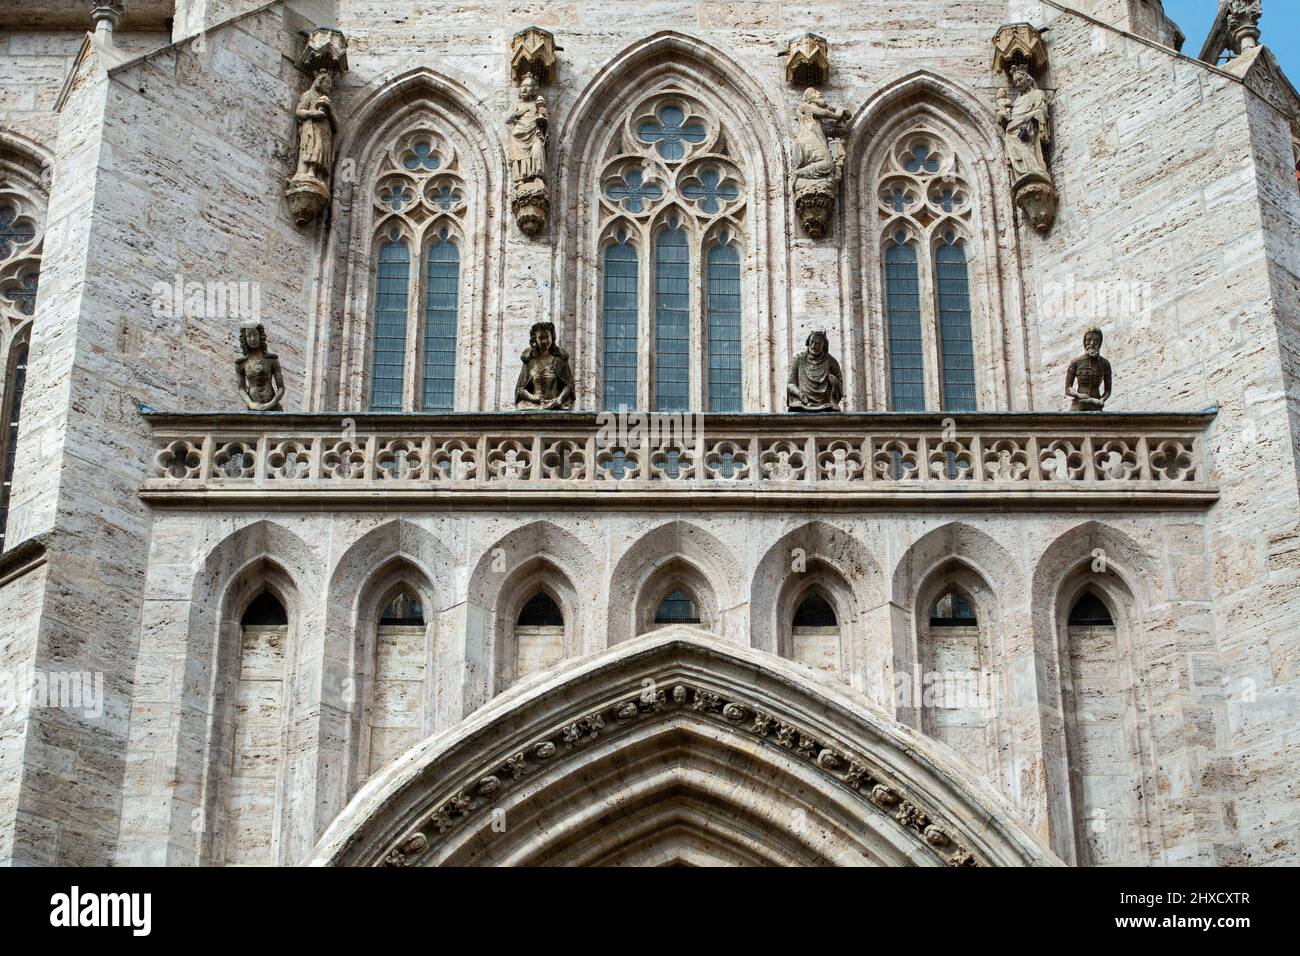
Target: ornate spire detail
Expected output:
[106,14]
[1243,22]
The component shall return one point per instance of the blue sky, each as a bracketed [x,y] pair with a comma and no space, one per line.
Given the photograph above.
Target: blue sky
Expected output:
[1280,25]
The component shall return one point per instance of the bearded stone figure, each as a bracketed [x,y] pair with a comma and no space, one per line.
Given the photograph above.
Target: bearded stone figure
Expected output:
[528,123]
[820,162]
[261,382]
[1028,124]
[816,382]
[1087,380]
[545,381]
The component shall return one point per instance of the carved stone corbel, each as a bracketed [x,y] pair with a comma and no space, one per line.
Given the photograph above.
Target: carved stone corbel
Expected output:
[1020,54]
[324,56]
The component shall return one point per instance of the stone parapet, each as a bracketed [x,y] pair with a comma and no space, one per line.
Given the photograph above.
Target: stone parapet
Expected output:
[580,459]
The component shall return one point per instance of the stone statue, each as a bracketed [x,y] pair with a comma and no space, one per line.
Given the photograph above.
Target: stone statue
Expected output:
[819,162]
[1028,124]
[528,126]
[545,381]
[1087,380]
[816,382]
[309,189]
[261,383]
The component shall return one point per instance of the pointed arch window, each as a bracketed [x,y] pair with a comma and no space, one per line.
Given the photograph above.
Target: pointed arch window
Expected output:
[924,214]
[672,211]
[418,205]
[815,633]
[620,319]
[21,237]
[539,635]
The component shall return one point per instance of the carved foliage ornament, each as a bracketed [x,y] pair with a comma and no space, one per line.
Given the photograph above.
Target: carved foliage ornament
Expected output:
[1024,112]
[1243,22]
[470,797]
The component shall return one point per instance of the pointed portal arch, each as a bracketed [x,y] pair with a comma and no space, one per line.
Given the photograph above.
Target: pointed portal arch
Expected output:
[672,747]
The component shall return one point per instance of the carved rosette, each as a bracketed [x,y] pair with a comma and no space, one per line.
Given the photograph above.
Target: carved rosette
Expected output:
[479,791]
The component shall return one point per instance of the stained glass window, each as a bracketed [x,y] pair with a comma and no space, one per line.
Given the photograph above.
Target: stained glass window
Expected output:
[620,325]
[672,321]
[956,355]
[723,323]
[903,308]
[442,280]
[392,278]
[17,384]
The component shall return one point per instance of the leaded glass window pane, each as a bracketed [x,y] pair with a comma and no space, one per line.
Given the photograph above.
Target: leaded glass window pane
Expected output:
[903,308]
[677,608]
[392,278]
[17,384]
[620,325]
[956,353]
[442,280]
[672,322]
[724,328]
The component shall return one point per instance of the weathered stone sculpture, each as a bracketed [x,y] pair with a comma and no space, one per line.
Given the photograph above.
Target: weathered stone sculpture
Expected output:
[816,382]
[308,191]
[1087,380]
[1027,123]
[545,381]
[819,162]
[1243,23]
[261,382]
[528,121]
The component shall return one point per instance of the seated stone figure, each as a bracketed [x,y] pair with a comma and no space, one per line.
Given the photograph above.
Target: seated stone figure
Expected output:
[545,381]
[816,382]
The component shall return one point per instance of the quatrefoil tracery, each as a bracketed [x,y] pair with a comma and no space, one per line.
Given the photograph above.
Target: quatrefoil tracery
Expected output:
[922,189]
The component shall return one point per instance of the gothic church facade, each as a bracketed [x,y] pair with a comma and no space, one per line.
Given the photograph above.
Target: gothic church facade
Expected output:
[659,434]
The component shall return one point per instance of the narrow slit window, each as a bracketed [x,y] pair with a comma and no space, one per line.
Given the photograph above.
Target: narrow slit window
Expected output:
[903,308]
[392,279]
[620,315]
[672,321]
[723,323]
[956,353]
[441,314]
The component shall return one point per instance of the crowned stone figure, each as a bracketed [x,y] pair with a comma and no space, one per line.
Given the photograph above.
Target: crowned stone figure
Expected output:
[1087,381]
[261,383]
[545,381]
[816,382]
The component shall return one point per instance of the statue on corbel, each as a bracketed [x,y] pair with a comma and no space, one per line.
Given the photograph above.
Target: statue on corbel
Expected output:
[1019,53]
[532,63]
[819,149]
[324,55]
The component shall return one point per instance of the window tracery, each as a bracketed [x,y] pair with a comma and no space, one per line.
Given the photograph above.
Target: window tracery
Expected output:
[418,207]
[672,223]
[21,238]
[924,218]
